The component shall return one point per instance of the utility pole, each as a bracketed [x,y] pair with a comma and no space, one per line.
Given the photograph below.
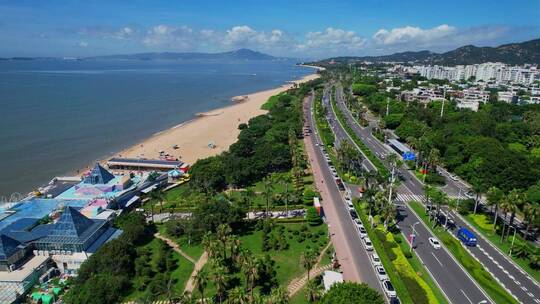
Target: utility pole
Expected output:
[444,99]
[387,105]
[413,235]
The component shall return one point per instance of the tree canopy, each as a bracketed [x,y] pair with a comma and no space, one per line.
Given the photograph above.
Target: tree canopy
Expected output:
[349,292]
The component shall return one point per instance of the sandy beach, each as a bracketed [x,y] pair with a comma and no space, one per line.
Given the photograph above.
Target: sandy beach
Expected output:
[219,127]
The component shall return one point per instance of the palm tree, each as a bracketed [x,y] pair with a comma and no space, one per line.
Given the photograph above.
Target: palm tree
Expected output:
[209,245]
[388,213]
[521,250]
[452,206]
[494,196]
[517,199]
[185,298]
[279,295]
[312,291]
[532,213]
[201,281]
[506,206]
[477,188]
[221,280]
[268,192]
[308,259]
[250,267]
[222,235]
[238,295]
[247,198]
[158,196]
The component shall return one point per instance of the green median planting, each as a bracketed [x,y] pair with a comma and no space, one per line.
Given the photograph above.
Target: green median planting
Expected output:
[467,261]
[365,150]
[411,285]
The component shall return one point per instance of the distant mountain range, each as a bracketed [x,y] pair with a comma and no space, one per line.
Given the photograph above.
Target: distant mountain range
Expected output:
[241,54]
[513,53]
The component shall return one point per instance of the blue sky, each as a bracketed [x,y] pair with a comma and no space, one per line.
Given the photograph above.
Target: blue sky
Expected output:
[315,28]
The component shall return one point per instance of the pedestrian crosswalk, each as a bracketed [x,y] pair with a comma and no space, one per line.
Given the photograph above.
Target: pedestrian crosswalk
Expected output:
[402,197]
[408,198]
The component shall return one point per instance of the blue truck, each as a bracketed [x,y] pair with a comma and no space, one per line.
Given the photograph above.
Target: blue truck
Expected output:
[468,238]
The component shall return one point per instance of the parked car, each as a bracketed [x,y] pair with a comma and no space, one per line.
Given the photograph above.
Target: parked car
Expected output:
[375,260]
[368,244]
[454,177]
[434,243]
[353,213]
[358,223]
[362,231]
[381,273]
[389,288]
[470,194]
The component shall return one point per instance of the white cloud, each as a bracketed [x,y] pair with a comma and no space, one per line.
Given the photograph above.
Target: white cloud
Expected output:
[83,44]
[331,38]
[410,34]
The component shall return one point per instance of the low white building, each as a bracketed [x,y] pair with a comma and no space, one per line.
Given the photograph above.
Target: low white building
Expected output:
[507,96]
[330,278]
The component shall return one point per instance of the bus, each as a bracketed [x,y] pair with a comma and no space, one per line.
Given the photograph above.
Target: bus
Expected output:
[468,238]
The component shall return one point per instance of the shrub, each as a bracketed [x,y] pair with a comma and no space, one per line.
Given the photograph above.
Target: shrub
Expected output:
[313,217]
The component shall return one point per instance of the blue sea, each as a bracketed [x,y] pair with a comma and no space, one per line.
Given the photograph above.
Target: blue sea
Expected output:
[58,116]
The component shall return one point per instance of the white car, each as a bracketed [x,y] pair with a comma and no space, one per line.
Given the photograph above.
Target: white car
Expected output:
[434,243]
[362,231]
[389,289]
[358,223]
[454,177]
[368,244]
[381,273]
[375,260]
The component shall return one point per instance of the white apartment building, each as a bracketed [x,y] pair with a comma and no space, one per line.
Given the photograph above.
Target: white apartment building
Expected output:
[490,71]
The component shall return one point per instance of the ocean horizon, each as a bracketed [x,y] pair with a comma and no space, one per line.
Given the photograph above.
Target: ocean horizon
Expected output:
[60,116]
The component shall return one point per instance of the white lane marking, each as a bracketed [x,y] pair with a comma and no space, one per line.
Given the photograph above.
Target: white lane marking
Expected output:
[524,288]
[518,283]
[530,294]
[463,292]
[436,258]
[537,301]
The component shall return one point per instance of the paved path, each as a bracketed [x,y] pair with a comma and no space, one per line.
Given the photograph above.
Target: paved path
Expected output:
[190,284]
[297,283]
[174,246]
[349,252]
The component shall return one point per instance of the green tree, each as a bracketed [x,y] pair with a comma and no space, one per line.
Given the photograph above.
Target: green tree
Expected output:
[494,196]
[201,282]
[308,260]
[349,292]
[268,192]
[313,217]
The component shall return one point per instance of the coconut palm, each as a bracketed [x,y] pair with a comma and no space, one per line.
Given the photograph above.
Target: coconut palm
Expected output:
[312,292]
[506,206]
[494,196]
[158,196]
[185,298]
[201,281]
[268,192]
[388,213]
[521,250]
[222,235]
[238,295]
[532,213]
[250,267]
[518,199]
[308,259]
[209,245]
[278,295]
[220,279]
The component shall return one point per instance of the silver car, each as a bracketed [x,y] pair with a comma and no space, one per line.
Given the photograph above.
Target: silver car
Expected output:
[381,273]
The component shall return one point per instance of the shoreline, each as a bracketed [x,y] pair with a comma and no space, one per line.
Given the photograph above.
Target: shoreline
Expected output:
[217,126]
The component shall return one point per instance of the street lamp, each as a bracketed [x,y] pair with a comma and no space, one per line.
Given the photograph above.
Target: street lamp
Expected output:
[413,235]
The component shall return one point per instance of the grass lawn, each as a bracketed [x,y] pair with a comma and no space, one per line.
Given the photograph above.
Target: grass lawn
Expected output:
[194,250]
[287,261]
[473,267]
[484,224]
[299,297]
[180,198]
[180,275]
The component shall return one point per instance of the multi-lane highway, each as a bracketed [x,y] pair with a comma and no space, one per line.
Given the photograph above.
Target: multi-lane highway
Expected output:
[347,243]
[514,279]
[454,281]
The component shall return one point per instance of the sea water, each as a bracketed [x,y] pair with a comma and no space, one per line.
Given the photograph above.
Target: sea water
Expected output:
[57,116]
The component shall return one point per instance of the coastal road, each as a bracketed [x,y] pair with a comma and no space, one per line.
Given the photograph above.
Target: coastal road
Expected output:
[344,234]
[453,280]
[509,275]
